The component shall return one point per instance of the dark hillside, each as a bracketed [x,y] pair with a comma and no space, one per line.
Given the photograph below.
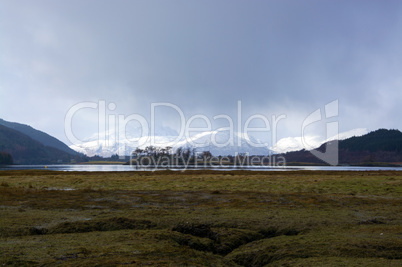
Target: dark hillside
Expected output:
[380,146]
[25,150]
[379,140]
[43,138]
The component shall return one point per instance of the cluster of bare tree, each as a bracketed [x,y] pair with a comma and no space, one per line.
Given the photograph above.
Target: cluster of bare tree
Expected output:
[183,154]
[153,151]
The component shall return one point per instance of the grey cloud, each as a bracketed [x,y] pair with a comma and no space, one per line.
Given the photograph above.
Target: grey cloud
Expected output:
[275,56]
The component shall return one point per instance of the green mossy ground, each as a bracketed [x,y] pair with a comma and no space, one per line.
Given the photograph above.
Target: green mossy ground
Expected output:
[201,218]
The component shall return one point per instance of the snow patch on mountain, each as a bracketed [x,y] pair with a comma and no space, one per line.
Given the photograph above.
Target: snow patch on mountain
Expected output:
[295,143]
[224,143]
[217,142]
[289,144]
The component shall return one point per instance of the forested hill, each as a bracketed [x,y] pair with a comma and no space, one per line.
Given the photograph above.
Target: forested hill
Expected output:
[25,150]
[379,140]
[41,137]
[380,146]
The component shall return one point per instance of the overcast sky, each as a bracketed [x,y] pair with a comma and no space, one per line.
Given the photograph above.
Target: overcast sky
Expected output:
[276,57]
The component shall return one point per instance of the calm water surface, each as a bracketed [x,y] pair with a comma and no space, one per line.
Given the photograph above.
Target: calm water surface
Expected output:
[122,168]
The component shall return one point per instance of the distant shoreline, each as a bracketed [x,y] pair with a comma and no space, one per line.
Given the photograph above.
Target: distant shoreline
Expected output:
[177,168]
[203,166]
[102,162]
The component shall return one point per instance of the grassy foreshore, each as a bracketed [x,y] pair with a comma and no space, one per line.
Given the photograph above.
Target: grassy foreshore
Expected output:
[201,218]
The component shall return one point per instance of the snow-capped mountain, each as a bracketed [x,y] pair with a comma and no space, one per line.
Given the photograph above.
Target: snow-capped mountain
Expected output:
[289,144]
[114,142]
[224,143]
[217,142]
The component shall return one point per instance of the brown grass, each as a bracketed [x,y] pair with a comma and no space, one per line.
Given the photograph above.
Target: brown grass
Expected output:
[201,218]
